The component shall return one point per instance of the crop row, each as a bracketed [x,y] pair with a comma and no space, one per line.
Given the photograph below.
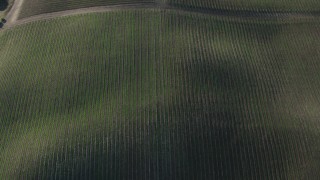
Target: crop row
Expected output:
[252,5]
[36,7]
[153,94]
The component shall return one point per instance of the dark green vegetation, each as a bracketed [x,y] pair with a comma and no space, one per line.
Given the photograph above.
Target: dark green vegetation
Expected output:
[159,95]
[5,5]
[255,5]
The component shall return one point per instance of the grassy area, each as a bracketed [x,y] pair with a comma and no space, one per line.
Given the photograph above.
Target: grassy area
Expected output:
[35,7]
[256,5]
[155,94]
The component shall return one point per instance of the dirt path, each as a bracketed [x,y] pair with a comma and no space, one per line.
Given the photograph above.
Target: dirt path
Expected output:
[14,12]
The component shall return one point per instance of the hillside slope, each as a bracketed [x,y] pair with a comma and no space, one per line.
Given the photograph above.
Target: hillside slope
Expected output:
[150,94]
[37,7]
[252,5]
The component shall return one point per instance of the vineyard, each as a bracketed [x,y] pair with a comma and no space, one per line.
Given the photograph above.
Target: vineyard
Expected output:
[252,5]
[36,7]
[160,94]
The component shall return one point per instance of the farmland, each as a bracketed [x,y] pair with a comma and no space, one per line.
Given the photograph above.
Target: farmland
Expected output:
[252,5]
[36,7]
[157,94]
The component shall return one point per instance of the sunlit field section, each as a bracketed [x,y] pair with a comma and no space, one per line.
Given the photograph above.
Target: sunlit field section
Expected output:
[252,5]
[36,7]
[150,94]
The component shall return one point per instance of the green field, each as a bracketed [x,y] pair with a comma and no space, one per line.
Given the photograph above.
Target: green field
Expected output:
[150,94]
[36,7]
[255,5]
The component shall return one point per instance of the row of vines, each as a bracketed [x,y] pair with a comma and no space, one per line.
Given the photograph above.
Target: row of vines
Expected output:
[150,94]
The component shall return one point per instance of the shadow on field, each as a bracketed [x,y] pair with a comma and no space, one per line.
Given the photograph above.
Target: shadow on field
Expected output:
[184,145]
[225,138]
[187,138]
[214,118]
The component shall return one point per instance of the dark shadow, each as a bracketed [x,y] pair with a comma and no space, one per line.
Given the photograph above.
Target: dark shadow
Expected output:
[1,24]
[3,20]
[3,5]
[183,145]
[262,13]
